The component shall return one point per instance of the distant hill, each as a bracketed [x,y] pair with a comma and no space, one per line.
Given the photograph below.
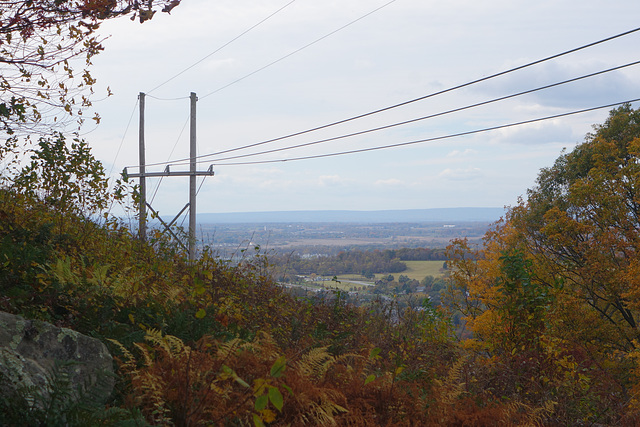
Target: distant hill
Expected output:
[382,216]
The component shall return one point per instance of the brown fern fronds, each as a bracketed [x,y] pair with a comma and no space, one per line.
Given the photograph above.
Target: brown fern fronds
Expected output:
[451,388]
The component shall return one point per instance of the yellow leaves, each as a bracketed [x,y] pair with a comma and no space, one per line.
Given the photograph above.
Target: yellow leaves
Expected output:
[268,416]
[231,307]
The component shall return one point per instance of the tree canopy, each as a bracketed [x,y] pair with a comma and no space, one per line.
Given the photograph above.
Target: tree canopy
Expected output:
[46,48]
[558,277]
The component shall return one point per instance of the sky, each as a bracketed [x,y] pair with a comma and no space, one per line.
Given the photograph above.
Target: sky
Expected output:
[274,81]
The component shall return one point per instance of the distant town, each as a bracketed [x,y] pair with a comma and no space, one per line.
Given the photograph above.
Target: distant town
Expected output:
[330,238]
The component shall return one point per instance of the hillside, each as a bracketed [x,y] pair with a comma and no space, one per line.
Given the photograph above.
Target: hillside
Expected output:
[547,309]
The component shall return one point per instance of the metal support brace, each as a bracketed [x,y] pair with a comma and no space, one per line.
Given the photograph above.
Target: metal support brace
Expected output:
[167,228]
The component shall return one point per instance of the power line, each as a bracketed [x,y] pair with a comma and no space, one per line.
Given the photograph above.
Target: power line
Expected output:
[115,159]
[467,107]
[123,137]
[297,50]
[455,110]
[431,95]
[169,156]
[221,47]
[438,138]
[167,99]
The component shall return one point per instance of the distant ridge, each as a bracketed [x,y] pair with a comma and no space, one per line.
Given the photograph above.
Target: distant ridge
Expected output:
[382,216]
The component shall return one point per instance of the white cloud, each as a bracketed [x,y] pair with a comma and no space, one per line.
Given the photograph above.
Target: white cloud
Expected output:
[461,174]
[392,182]
[605,88]
[464,153]
[330,180]
[536,134]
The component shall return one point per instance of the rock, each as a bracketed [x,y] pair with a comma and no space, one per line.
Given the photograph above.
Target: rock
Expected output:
[32,350]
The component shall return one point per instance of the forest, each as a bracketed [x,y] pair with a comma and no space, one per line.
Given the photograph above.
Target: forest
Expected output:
[549,301]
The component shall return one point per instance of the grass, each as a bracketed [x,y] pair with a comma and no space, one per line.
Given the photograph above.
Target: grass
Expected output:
[417,270]
[343,284]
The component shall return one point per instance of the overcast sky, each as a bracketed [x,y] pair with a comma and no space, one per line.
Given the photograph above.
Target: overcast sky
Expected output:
[405,50]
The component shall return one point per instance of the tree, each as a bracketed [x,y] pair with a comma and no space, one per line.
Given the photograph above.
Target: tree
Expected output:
[42,44]
[559,277]
[66,177]
[581,224]
[579,227]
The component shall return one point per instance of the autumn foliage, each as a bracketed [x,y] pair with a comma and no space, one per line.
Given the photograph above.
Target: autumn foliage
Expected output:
[549,301]
[46,50]
[552,297]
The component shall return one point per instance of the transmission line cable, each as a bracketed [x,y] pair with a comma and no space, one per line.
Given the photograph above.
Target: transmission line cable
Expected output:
[441,92]
[179,98]
[437,138]
[115,159]
[123,137]
[502,98]
[430,95]
[297,50]
[169,156]
[221,47]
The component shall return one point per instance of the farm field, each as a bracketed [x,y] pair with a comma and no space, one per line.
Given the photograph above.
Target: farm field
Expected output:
[415,270]
[348,282]
[419,269]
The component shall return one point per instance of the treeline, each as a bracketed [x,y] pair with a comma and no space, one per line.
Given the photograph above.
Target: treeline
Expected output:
[365,263]
[419,254]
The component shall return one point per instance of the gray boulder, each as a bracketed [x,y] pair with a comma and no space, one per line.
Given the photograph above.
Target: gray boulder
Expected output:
[32,352]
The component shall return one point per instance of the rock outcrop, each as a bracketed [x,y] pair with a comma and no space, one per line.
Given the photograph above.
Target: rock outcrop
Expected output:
[31,351]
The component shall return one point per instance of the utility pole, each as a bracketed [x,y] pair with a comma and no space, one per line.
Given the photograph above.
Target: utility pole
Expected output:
[192,178]
[142,226]
[192,174]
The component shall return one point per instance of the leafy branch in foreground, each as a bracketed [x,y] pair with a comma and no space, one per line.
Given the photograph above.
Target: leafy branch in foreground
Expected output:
[46,48]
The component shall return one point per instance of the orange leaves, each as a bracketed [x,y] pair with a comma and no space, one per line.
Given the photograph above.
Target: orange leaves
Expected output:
[553,295]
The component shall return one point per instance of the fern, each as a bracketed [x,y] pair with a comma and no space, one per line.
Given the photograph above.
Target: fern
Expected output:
[173,346]
[130,361]
[225,350]
[532,416]
[315,363]
[452,387]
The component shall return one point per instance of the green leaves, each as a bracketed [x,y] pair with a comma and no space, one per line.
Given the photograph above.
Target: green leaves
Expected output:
[275,397]
[65,176]
[261,402]
[266,393]
[278,367]
[374,353]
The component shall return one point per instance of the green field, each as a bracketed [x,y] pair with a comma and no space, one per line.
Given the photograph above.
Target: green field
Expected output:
[419,269]
[415,270]
[343,284]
